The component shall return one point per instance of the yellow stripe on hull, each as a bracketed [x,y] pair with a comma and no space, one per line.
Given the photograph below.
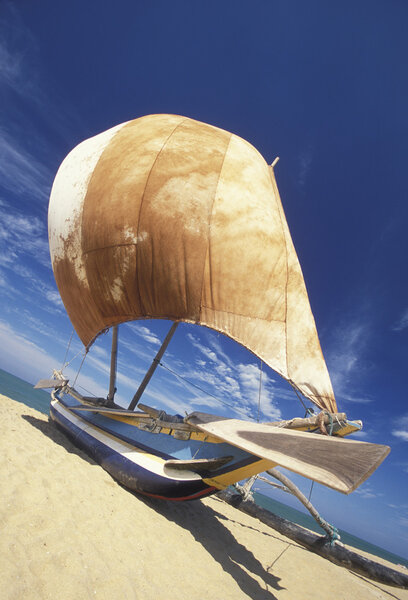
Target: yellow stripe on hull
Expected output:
[223,481]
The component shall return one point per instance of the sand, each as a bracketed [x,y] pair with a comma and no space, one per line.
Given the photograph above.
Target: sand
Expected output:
[69,531]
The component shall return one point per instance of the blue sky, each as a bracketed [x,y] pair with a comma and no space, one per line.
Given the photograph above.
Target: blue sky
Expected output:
[322,86]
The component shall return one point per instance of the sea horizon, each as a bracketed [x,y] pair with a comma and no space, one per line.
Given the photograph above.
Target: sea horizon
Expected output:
[22,391]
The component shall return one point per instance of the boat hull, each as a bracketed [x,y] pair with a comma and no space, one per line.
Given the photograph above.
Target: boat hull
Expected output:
[137,459]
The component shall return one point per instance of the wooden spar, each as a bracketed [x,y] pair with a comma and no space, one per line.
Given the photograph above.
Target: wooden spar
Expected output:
[291,488]
[50,383]
[336,553]
[153,367]
[113,365]
[296,492]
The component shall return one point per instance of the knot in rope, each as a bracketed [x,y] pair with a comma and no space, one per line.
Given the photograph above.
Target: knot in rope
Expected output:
[333,536]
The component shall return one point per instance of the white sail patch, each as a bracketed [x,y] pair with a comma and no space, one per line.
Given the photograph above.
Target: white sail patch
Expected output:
[67,200]
[132,237]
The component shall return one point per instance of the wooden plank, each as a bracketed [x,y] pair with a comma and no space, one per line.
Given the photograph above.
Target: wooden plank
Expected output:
[50,383]
[335,462]
[111,411]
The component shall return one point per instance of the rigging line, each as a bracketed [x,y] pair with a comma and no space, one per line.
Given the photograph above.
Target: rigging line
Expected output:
[200,446]
[202,390]
[87,391]
[311,490]
[67,350]
[260,390]
[74,357]
[80,366]
[299,397]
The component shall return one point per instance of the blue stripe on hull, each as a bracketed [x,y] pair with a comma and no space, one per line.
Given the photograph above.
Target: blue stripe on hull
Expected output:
[128,473]
[164,445]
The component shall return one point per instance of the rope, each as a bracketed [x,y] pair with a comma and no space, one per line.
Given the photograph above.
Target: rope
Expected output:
[67,350]
[311,490]
[87,391]
[334,536]
[74,357]
[80,366]
[200,447]
[309,411]
[260,390]
[326,412]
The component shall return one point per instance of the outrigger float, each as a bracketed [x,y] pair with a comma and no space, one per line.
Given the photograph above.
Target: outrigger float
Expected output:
[169,218]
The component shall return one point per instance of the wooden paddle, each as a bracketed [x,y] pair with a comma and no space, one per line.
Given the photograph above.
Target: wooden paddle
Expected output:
[335,462]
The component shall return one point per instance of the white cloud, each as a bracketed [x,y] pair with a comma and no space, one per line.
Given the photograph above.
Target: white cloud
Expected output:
[236,385]
[148,336]
[403,521]
[29,361]
[402,322]
[143,354]
[250,380]
[24,357]
[22,236]
[20,171]
[401,430]
[367,492]
[54,297]
[21,68]
[10,66]
[216,346]
[207,352]
[101,352]
[345,359]
[145,333]
[15,40]
[3,280]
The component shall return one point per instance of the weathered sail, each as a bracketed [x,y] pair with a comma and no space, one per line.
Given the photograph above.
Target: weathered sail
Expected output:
[167,217]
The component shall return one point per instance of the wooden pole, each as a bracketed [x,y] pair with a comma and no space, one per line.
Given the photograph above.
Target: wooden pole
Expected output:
[153,366]
[113,365]
[296,492]
[336,553]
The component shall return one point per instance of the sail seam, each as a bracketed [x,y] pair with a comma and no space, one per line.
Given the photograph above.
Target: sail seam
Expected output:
[143,196]
[84,200]
[229,312]
[275,188]
[208,252]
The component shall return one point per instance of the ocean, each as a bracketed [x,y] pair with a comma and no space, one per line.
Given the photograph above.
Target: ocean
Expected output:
[305,520]
[21,391]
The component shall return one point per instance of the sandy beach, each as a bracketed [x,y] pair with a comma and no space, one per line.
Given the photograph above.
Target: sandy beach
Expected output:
[69,531]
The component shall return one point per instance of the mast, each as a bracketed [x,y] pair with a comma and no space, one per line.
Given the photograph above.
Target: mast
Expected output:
[153,366]
[113,365]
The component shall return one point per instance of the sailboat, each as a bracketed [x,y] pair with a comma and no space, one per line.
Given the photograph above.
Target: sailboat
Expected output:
[165,217]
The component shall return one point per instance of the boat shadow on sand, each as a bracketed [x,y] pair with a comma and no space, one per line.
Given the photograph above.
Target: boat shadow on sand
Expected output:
[57,436]
[202,521]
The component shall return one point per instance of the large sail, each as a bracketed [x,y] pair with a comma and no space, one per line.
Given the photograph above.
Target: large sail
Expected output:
[167,217]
